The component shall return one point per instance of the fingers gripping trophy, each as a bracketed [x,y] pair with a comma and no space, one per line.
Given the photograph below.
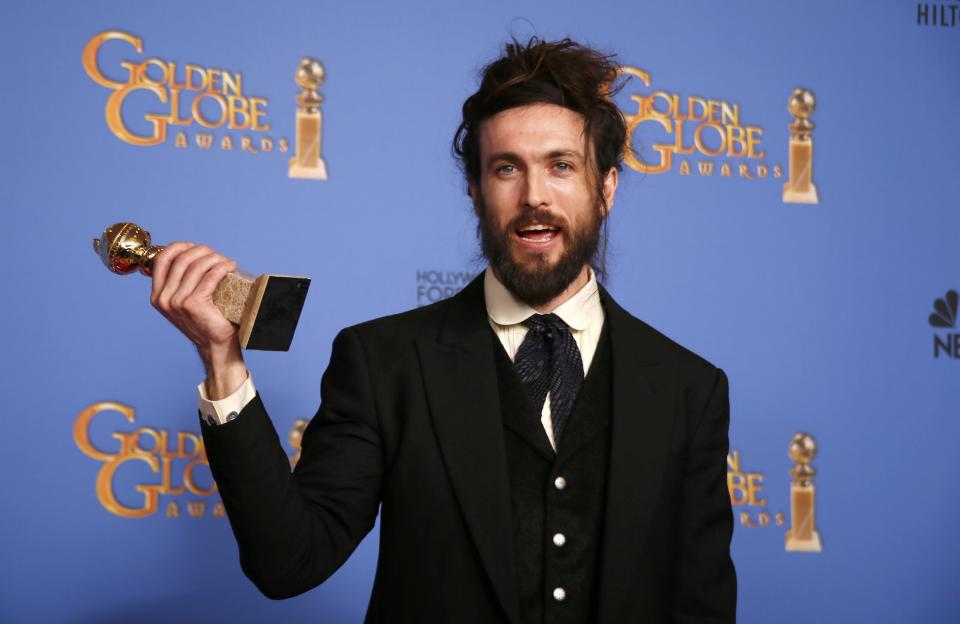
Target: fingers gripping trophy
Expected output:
[263,310]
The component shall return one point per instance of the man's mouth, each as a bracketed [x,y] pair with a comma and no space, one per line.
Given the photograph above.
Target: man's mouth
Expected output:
[538,233]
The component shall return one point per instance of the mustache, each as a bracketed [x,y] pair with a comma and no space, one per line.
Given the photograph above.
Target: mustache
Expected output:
[540,215]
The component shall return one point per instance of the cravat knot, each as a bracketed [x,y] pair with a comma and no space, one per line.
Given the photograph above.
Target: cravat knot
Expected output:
[549,325]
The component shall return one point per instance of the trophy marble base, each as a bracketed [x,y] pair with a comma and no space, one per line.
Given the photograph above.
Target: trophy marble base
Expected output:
[802,536]
[265,308]
[799,188]
[811,544]
[317,171]
[807,196]
[307,163]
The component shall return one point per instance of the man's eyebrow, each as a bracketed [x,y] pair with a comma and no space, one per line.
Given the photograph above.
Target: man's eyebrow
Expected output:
[564,153]
[551,155]
[508,156]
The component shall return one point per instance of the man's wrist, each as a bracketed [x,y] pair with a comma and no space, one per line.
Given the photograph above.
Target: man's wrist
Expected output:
[225,368]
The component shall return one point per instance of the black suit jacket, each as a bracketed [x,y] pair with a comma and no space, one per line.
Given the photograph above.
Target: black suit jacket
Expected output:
[409,421]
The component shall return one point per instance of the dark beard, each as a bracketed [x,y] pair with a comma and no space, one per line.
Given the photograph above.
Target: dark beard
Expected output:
[537,283]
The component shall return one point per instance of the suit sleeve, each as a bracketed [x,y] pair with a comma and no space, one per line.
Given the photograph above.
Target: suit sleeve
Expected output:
[295,530]
[706,583]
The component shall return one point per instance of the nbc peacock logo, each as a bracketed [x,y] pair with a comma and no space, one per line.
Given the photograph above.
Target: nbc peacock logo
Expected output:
[945,316]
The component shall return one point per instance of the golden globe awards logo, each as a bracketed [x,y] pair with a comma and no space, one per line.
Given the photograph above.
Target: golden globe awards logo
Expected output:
[746,495]
[693,134]
[177,461]
[707,137]
[749,500]
[190,102]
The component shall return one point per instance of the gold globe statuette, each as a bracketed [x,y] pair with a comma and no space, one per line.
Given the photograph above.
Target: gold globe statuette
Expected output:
[799,187]
[266,309]
[307,162]
[802,536]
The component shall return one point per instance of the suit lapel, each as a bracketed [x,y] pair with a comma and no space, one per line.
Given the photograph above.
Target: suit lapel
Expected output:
[461,385]
[641,425]
[520,420]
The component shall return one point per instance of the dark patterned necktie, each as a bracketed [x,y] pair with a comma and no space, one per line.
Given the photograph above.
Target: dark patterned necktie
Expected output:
[548,360]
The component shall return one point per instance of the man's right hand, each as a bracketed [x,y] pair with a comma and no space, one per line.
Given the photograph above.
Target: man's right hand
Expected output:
[184,278]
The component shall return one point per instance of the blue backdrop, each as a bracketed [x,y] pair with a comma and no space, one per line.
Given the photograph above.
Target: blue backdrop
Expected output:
[818,313]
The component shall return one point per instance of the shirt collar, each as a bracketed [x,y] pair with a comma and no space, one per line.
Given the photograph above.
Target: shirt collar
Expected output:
[578,312]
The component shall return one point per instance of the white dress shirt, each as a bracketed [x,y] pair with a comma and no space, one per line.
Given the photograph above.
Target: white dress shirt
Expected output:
[582,312]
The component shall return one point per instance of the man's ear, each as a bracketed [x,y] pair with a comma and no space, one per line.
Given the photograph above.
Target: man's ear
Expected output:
[610,182]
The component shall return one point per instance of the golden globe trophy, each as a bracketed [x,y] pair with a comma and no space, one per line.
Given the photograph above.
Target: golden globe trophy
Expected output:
[799,188]
[307,162]
[802,536]
[265,308]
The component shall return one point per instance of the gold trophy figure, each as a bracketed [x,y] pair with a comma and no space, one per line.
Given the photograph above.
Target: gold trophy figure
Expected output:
[307,162]
[802,536]
[799,188]
[266,308]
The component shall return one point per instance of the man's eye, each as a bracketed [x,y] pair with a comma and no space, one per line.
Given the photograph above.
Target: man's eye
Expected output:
[506,169]
[563,166]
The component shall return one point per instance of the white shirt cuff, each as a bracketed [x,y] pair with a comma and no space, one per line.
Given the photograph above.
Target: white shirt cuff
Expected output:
[226,409]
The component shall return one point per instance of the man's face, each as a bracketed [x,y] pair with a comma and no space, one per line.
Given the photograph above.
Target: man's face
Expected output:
[536,200]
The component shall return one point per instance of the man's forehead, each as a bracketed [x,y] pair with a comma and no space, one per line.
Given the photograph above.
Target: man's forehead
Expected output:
[534,130]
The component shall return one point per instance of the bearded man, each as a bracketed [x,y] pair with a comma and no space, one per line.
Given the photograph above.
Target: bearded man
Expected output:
[537,454]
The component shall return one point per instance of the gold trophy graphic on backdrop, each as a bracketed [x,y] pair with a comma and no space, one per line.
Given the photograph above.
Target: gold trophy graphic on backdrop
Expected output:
[802,536]
[308,162]
[799,188]
[266,308]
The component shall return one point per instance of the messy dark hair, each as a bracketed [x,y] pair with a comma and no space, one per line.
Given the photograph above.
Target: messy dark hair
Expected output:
[564,73]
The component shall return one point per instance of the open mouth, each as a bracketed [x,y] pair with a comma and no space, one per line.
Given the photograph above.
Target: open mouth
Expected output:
[538,233]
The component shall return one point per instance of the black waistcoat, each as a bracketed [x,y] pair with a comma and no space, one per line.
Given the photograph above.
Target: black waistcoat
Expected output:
[548,512]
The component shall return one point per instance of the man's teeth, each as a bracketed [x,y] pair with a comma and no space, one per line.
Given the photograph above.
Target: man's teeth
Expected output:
[538,232]
[534,228]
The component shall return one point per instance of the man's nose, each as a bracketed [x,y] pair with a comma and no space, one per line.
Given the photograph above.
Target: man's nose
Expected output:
[536,191]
